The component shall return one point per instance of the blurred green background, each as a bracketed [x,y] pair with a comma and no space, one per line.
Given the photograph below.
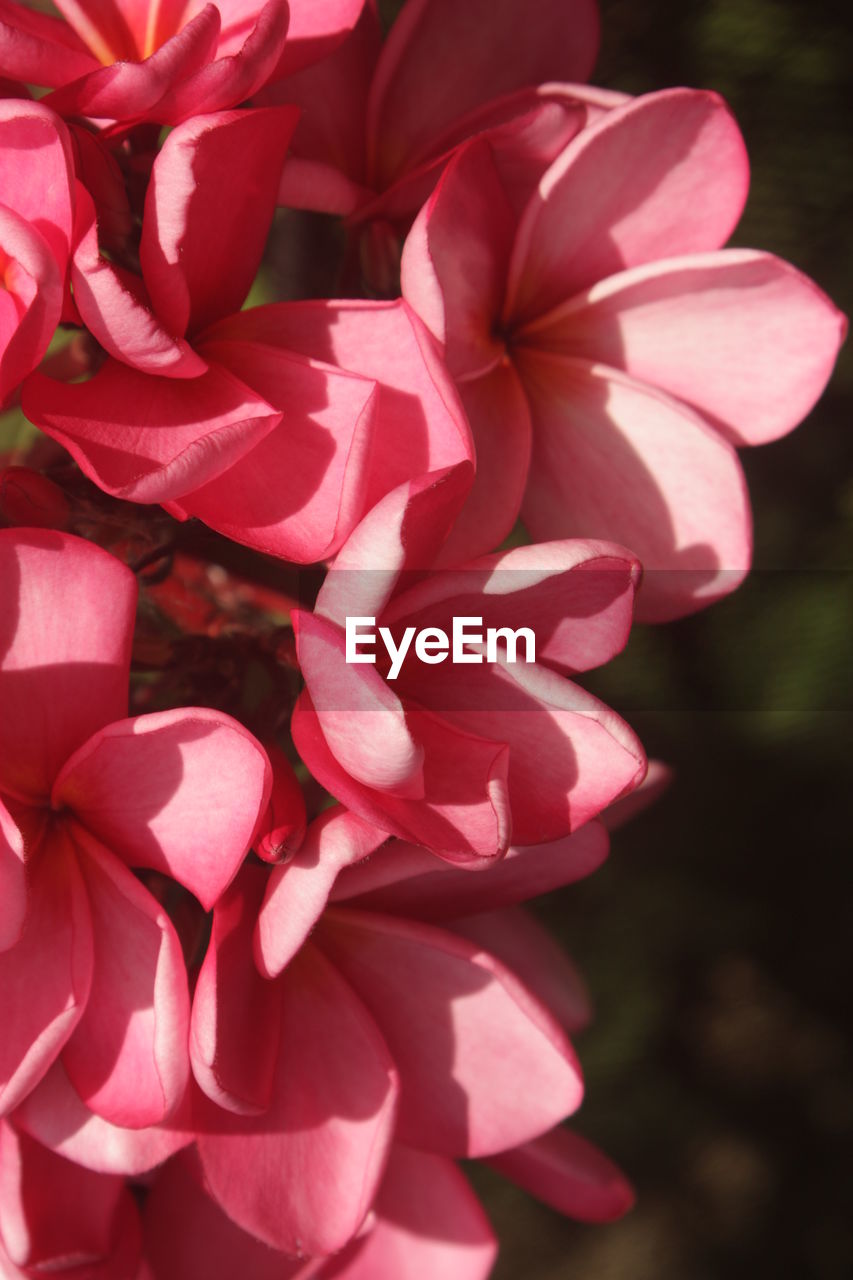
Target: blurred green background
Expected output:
[717,941]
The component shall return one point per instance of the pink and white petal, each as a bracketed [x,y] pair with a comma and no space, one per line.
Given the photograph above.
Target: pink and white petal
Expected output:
[453,269]
[406,880]
[667,174]
[569,755]
[516,938]
[113,29]
[188,1237]
[65,635]
[127,1058]
[45,978]
[37,172]
[130,90]
[571,1175]
[113,309]
[236,1013]
[55,1116]
[148,438]
[297,893]
[13,880]
[741,336]
[403,532]
[321,456]
[464,814]
[420,424]
[202,238]
[234,77]
[614,458]
[38,48]
[55,1216]
[482,1064]
[302,1176]
[180,791]
[486,48]
[576,596]
[428,1223]
[282,829]
[361,718]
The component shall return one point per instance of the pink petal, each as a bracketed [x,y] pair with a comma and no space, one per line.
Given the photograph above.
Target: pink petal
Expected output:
[428,1223]
[65,636]
[666,174]
[37,172]
[45,977]
[453,269]
[569,754]
[516,938]
[283,827]
[310,184]
[361,718]
[13,880]
[741,336]
[180,791]
[569,1174]
[420,425]
[128,1056]
[236,1014]
[576,596]
[114,29]
[188,1237]
[657,780]
[31,302]
[296,894]
[320,455]
[54,1115]
[111,305]
[55,1216]
[483,1065]
[316,28]
[616,459]
[302,1176]
[463,816]
[202,239]
[485,48]
[146,438]
[406,880]
[126,89]
[40,49]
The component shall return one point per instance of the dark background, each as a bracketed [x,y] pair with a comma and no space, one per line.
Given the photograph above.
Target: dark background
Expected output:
[717,941]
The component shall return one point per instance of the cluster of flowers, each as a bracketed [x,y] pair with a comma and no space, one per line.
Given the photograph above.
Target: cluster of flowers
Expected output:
[246,1030]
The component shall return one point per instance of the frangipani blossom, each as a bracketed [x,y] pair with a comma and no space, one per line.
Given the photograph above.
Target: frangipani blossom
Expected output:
[128,61]
[464,758]
[91,967]
[381,118]
[609,354]
[36,221]
[277,426]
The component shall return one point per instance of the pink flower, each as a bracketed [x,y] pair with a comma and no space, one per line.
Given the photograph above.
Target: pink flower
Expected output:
[380,119]
[373,1022]
[36,217]
[462,758]
[91,967]
[609,356]
[56,1217]
[142,60]
[197,407]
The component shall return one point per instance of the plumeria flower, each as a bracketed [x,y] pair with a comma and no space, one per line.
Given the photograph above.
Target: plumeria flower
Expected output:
[127,61]
[464,757]
[199,404]
[36,222]
[91,968]
[609,353]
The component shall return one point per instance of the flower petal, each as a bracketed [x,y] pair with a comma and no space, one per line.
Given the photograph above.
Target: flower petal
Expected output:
[40,49]
[65,635]
[666,174]
[13,880]
[128,1056]
[483,1066]
[180,791]
[571,1175]
[615,458]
